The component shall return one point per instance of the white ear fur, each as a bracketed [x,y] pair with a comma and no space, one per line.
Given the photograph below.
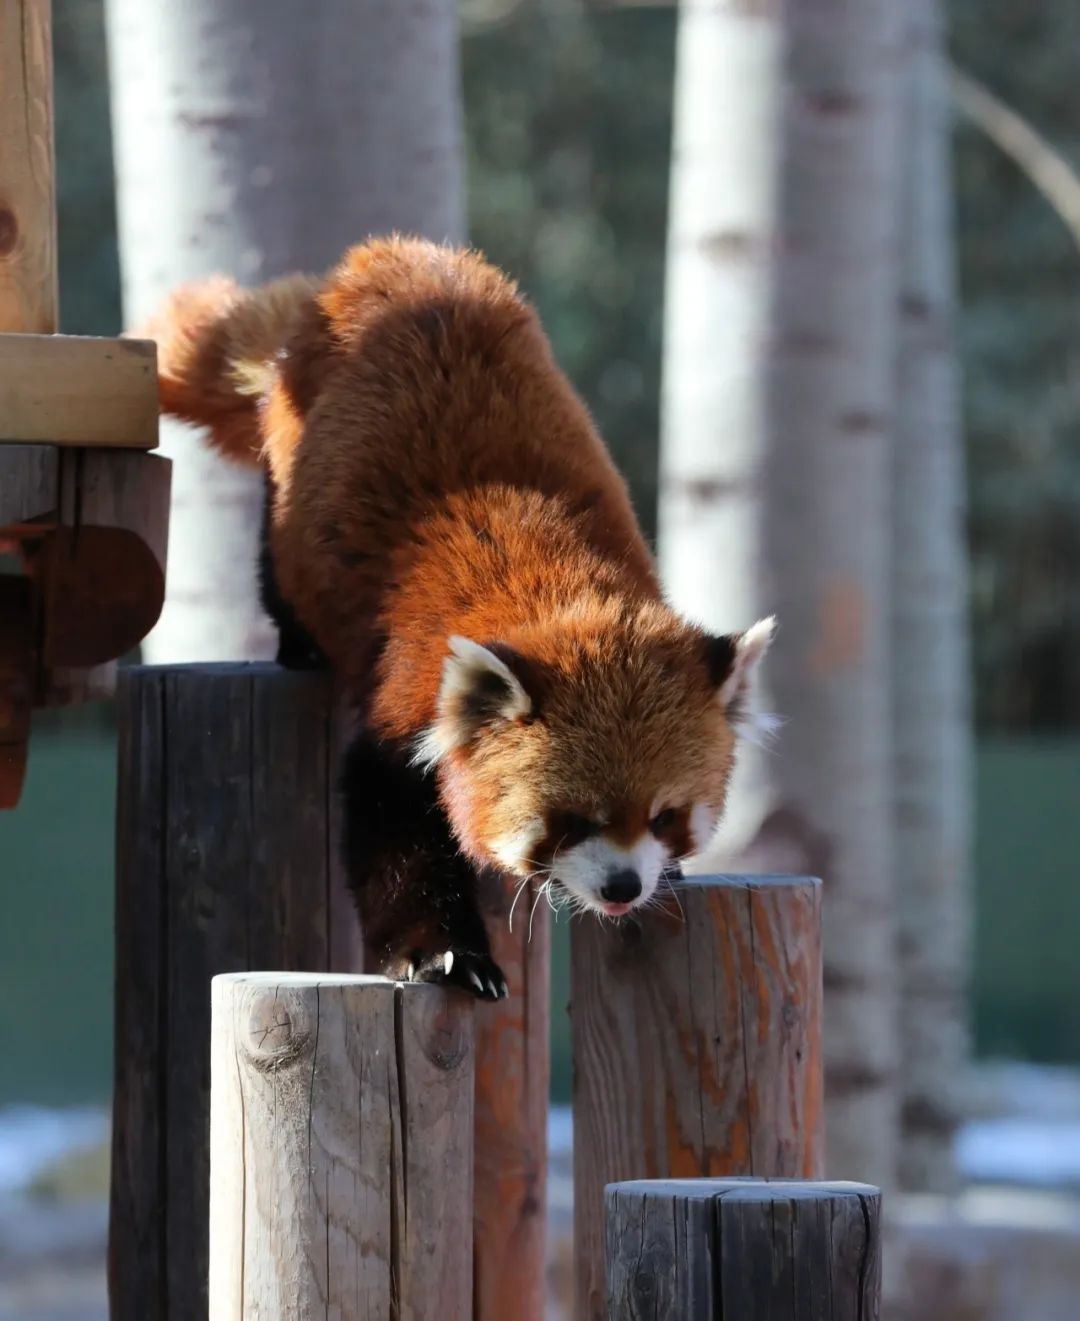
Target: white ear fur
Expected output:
[735,691]
[476,687]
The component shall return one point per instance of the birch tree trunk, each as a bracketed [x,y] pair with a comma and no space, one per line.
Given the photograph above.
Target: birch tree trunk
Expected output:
[930,699]
[828,532]
[805,528]
[255,137]
[721,230]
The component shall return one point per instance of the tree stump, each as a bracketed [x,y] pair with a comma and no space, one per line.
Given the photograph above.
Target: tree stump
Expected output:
[340,1149]
[746,1249]
[697,1046]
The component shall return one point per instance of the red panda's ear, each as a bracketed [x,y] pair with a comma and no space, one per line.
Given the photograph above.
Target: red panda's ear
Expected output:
[733,661]
[478,690]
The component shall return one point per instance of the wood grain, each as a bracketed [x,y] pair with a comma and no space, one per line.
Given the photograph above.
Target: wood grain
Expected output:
[697,1047]
[341,1149]
[512,1083]
[29,482]
[28,288]
[223,864]
[78,390]
[121,491]
[755,1250]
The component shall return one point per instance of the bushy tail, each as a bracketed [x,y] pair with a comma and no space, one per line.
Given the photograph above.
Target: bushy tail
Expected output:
[216,349]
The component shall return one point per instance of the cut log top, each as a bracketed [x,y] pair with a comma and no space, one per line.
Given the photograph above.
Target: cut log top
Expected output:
[744,1190]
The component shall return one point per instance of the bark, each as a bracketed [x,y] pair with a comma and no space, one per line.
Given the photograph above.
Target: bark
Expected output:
[827,536]
[721,233]
[930,685]
[806,532]
[256,137]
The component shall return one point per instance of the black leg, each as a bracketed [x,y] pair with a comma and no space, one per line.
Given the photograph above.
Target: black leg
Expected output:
[416,891]
[297,649]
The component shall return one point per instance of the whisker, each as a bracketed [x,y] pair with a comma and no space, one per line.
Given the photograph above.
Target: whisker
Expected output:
[532,911]
[517,896]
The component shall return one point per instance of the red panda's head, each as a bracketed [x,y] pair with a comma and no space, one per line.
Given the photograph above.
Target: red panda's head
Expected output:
[594,753]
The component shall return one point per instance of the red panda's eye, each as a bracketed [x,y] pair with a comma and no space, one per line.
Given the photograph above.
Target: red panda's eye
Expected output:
[663,821]
[575,828]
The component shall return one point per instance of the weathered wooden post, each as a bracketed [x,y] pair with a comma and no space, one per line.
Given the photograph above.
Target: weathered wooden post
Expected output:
[340,1149]
[512,1082]
[697,1047]
[227,861]
[748,1249]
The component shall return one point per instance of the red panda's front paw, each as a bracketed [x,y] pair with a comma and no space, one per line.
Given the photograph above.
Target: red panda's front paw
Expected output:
[478,974]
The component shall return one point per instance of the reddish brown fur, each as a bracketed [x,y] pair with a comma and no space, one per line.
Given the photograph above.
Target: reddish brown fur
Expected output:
[437,475]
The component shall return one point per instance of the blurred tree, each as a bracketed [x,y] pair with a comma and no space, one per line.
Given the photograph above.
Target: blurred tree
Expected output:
[1020,330]
[256,137]
[814,543]
[930,706]
[569,116]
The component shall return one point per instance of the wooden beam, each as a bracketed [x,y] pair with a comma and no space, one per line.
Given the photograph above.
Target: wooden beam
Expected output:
[703,1250]
[226,860]
[340,1148]
[697,1046]
[78,390]
[28,289]
[512,1083]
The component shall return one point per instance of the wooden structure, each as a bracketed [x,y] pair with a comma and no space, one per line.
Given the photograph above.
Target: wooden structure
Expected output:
[82,505]
[513,1079]
[227,862]
[340,1149]
[747,1249]
[697,1047]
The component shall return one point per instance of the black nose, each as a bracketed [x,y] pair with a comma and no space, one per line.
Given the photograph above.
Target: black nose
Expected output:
[621,887]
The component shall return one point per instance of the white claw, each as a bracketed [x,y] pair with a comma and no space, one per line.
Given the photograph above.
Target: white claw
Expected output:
[504,990]
[491,990]
[410,972]
[448,962]
[476,981]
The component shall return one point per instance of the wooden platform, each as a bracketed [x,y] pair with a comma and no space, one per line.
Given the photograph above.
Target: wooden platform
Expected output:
[76,390]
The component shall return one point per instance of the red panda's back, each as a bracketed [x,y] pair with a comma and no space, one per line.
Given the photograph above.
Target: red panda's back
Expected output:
[441,382]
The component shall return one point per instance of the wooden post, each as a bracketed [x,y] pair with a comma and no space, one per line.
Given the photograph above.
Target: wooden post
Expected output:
[28,287]
[341,1149]
[697,1046]
[512,1083]
[225,861]
[704,1249]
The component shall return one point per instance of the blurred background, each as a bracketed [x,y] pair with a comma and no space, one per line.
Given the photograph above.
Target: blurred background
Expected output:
[690,295]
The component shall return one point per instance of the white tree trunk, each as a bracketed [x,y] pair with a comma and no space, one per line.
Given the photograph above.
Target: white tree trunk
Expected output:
[721,232]
[930,686]
[805,528]
[828,532]
[256,137]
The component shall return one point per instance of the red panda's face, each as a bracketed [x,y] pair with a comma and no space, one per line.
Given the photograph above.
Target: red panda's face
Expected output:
[593,761]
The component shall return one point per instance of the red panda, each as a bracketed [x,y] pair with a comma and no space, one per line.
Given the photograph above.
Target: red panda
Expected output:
[446,528]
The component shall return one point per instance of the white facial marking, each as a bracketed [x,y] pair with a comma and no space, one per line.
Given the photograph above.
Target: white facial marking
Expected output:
[703,822]
[517,850]
[584,870]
